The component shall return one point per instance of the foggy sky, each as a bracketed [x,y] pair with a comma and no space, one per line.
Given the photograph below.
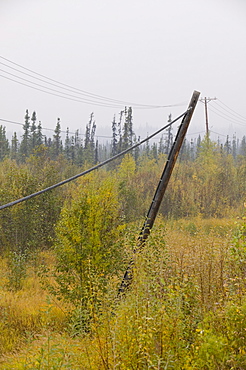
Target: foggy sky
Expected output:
[153,52]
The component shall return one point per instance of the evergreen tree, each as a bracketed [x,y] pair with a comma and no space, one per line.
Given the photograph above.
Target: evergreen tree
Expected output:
[127,129]
[4,144]
[14,146]
[154,151]
[114,134]
[234,147]
[137,149]
[192,150]
[67,145]
[147,149]
[39,137]
[242,150]
[120,140]
[72,149]
[169,137]
[198,145]
[48,142]
[57,143]
[89,147]
[24,146]
[161,147]
[227,146]
[33,134]
[79,152]
[77,146]
[88,132]
[96,153]
[129,120]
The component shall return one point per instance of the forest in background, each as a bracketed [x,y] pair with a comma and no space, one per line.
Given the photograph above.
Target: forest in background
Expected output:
[186,308]
[84,148]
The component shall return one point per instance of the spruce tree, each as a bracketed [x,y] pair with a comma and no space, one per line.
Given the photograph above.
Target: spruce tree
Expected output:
[161,147]
[114,134]
[242,150]
[67,145]
[14,146]
[227,146]
[89,148]
[147,149]
[33,133]
[57,143]
[192,150]
[154,151]
[77,145]
[96,153]
[169,138]
[120,140]
[39,136]
[129,120]
[88,132]
[127,129]
[198,145]
[4,144]
[137,149]
[25,143]
[72,149]
[234,147]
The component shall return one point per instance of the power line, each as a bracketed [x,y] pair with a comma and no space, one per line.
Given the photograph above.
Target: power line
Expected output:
[92,168]
[80,91]
[50,129]
[225,116]
[60,96]
[42,80]
[57,91]
[230,115]
[57,82]
[217,133]
[244,118]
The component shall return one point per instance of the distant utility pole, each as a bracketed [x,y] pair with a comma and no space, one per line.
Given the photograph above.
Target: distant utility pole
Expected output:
[206,101]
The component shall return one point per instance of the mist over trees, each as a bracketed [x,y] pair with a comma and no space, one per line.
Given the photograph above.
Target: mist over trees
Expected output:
[80,149]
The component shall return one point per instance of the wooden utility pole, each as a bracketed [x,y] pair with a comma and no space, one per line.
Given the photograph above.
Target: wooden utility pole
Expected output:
[206,101]
[161,188]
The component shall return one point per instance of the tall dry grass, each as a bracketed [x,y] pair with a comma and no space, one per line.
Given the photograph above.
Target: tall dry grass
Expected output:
[185,310]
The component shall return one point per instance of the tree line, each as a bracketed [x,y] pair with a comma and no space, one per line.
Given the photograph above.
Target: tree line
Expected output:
[80,150]
[209,179]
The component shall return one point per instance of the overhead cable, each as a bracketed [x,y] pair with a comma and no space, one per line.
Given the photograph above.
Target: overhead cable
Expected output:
[60,96]
[56,91]
[225,116]
[229,115]
[217,133]
[97,98]
[92,168]
[50,129]
[244,118]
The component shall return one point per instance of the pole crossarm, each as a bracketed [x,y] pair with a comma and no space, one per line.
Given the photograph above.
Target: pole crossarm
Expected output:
[160,190]
[206,101]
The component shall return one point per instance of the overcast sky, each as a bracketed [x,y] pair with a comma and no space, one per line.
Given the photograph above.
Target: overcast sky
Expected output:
[149,52]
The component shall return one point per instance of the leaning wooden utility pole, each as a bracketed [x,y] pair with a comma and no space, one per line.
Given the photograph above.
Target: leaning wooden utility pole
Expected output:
[161,188]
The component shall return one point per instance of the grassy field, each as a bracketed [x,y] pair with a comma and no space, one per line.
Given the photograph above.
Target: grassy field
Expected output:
[186,308]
